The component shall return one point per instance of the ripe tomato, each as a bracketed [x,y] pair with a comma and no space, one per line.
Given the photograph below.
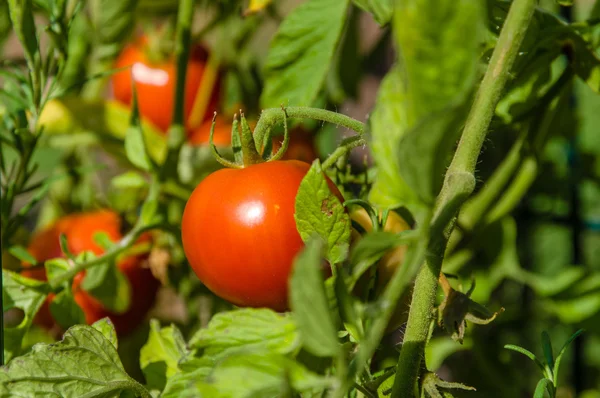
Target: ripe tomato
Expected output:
[80,229]
[388,264]
[155,83]
[239,232]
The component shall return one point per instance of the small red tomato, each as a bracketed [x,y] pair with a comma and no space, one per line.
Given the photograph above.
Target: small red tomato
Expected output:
[80,229]
[239,232]
[155,83]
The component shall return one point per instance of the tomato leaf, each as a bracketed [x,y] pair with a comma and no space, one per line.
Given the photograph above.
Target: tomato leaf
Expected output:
[160,355]
[113,22]
[83,363]
[544,386]
[135,145]
[21,16]
[247,329]
[318,211]
[108,284]
[301,53]
[65,310]
[27,295]
[372,247]
[22,254]
[259,374]
[309,302]
[106,327]
[381,10]
[386,126]
[129,180]
[347,308]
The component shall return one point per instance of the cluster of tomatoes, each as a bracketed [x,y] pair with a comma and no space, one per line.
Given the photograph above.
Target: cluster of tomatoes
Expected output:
[248,257]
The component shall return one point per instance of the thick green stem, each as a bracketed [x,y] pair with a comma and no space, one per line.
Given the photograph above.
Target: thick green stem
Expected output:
[453,195]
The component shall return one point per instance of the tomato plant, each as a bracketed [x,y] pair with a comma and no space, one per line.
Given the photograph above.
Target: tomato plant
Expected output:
[340,198]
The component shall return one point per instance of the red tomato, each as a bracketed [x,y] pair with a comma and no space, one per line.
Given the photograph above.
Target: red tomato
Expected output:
[239,232]
[155,83]
[80,229]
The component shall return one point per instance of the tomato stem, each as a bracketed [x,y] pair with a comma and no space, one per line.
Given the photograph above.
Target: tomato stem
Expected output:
[459,183]
[345,146]
[286,139]
[272,117]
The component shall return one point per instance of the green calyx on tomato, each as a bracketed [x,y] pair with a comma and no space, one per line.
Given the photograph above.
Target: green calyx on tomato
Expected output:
[244,147]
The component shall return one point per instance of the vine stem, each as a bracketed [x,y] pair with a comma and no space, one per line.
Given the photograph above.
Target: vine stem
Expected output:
[272,117]
[113,252]
[458,185]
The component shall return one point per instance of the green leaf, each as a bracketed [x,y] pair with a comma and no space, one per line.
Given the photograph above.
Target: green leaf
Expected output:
[83,364]
[528,354]
[108,284]
[160,355]
[531,83]
[319,212]
[129,180]
[301,53]
[439,48]
[247,329]
[21,15]
[106,327]
[190,385]
[372,246]
[22,254]
[102,239]
[380,9]
[27,295]
[547,347]
[387,124]
[56,267]
[563,350]
[135,148]
[65,310]
[585,61]
[113,22]
[308,301]
[543,386]
[260,375]
[347,308]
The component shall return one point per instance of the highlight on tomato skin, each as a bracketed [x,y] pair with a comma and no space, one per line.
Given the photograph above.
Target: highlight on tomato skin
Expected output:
[80,229]
[242,242]
[155,82]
